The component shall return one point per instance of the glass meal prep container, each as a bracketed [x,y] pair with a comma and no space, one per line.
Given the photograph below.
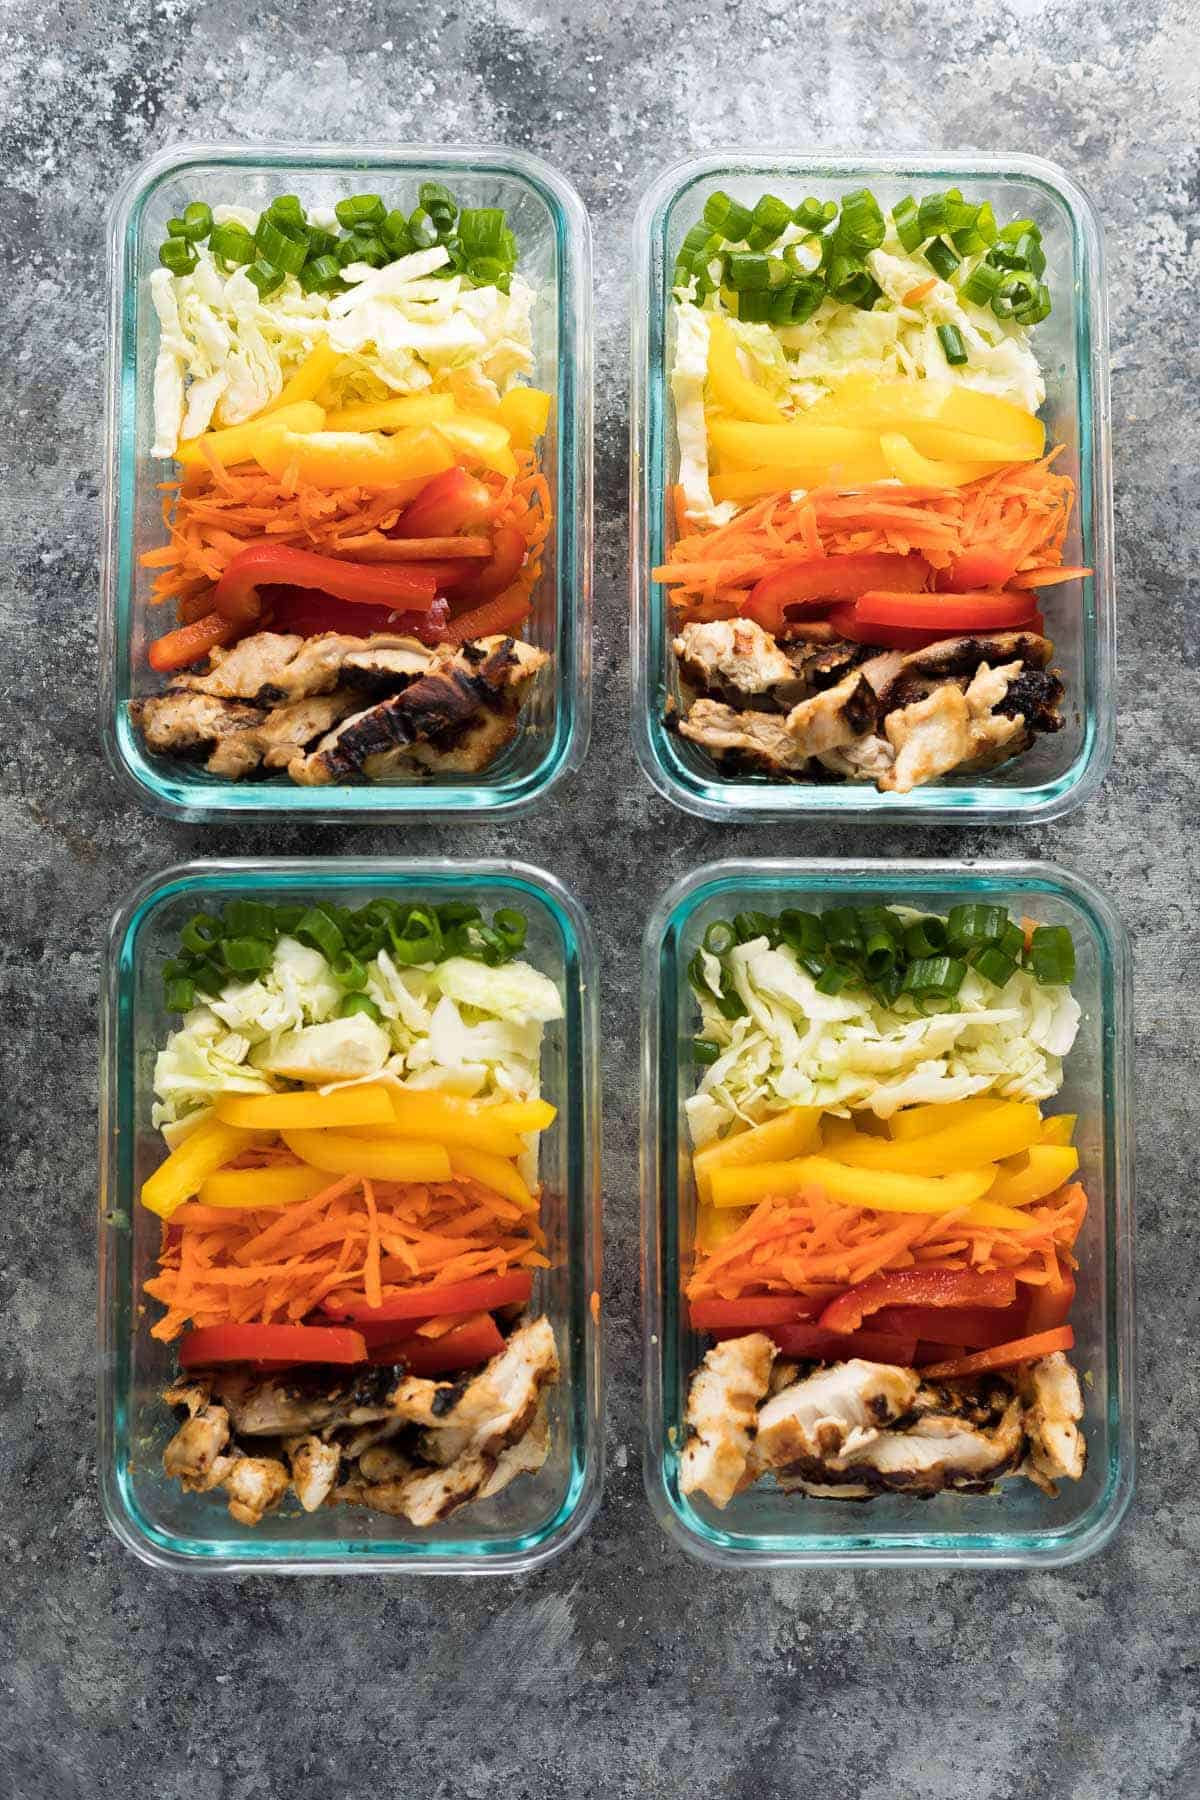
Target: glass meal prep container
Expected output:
[537,1516]
[552,229]
[1060,770]
[1022,1526]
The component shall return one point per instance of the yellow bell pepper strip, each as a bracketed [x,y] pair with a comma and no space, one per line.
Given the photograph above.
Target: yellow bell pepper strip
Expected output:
[392,415]
[303,1110]
[968,1145]
[381,1160]
[366,459]
[907,464]
[205,1150]
[524,1115]
[741,485]
[270,1187]
[481,440]
[1041,1170]
[879,1190]
[525,411]
[306,382]
[494,1172]
[782,446]
[932,438]
[448,1119]
[728,388]
[919,1121]
[239,443]
[789,1134]
[903,406]
[1060,1129]
[981,415]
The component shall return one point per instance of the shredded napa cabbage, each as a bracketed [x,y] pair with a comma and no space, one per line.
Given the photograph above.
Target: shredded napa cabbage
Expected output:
[846,1052]
[225,351]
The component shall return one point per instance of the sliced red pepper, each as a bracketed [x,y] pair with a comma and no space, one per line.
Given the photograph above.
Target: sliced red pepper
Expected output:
[944,613]
[483,1294]
[270,1343]
[310,613]
[822,578]
[1051,1305]
[977,569]
[477,581]
[846,623]
[917,1287]
[1004,1356]
[959,1327]
[406,587]
[179,649]
[503,614]
[466,1347]
[448,503]
[753,1313]
[811,1344]
[1040,578]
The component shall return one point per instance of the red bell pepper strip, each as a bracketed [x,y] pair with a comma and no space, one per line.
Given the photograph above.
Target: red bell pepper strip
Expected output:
[502,614]
[822,578]
[310,613]
[476,581]
[956,1327]
[1040,578]
[977,569]
[466,1347]
[270,1343]
[1051,1305]
[481,1295]
[1004,1356]
[917,1287]
[448,503]
[179,649]
[405,586]
[844,620]
[812,1344]
[752,1314]
[944,613]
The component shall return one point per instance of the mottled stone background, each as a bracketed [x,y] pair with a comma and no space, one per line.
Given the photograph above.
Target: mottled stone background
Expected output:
[623,1669]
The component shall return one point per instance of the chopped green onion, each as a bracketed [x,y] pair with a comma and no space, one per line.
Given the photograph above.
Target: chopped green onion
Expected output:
[705,1051]
[359,1003]
[1012,940]
[422,229]
[994,966]
[321,275]
[842,931]
[953,348]
[320,241]
[906,218]
[201,933]
[941,975]
[851,283]
[925,937]
[747,271]
[700,240]
[282,243]
[512,927]
[180,994]
[348,969]
[834,977]
[362,247]
[982,284]
[814,215]
[438,201]
[878,954]
[769,218]
[803,932]
[179,255]
[176,228]
[1017,228]
[197,220]
[418,939]
[231,243]
[720,937]
[481,231]
[395,233]
[320,932]
[729,1002]
[287,207]
[1036,308]
[249,918]
[934,214]
[861,226]
[266,277]
[755,306]
[974,924]
[360,209]
[1052,956]
[798,301]
[451,912]
[942,258]
[888,988]
[247,955]
[751,925]
[728,216]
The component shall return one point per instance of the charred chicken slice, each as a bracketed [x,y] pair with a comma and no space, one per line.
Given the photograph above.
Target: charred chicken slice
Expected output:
[721,1416]
[273,666]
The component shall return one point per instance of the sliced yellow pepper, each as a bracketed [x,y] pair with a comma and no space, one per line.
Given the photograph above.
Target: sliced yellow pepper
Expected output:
[448,1119]
[988,416]
[1039,1171]
[253,1188]
[903,405]
[494,1172]
[756,484]
[906,463]
[482,440]
[366,459]
[715,1224]
[967,1145]
[728,388]
[789,446]
[919,1121]
[932,438]
[525,412]
[380,1160]
[206,1149]
[239,443]
[883,1192]
[306,382]
[789,1134]
[524,1115]
[391,415]
[366,1105]
[1060,1129]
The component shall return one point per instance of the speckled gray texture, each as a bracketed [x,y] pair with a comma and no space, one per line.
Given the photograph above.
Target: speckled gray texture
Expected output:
[621,1670]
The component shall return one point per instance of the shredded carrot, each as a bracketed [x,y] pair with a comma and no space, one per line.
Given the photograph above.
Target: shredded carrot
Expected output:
[1023,509]
[800,1244]
[366,1240]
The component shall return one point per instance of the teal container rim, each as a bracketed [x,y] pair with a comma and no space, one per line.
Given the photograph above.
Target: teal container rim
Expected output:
[660,1240]
[174,790]
[730,800]
[116,1140]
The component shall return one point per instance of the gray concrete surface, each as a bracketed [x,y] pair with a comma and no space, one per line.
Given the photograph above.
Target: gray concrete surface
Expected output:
[622,1670]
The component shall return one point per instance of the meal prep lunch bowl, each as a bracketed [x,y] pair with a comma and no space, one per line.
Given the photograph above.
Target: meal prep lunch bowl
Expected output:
[1060,769]
[554,248]
[538,1515]
[1020,1525]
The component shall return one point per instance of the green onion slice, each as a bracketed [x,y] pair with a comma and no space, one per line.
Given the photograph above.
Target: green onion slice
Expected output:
[197,220]
[941,975]
[360,209]
[232,244]
[266,277]
[942,258]
[728,216]
[180,994]
[1052,956]
[704,1051]
[995,966]
[359,1003]
[906,218]
[720,938]
[953,348]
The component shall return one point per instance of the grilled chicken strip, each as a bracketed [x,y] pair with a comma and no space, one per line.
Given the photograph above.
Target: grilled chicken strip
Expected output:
[423,1496]
[201,1456]
[951,729]
[314,1468]
[736,660]
[275,666]
[239,735]
[721,1414]
[826,1417]
[255,1485]
[290,1406]
[1056,1450]
[496,1406]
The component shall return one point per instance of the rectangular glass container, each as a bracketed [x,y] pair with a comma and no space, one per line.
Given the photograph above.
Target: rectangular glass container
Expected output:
[1059,771]
[552,229]
[1023,1526]
[537,1516]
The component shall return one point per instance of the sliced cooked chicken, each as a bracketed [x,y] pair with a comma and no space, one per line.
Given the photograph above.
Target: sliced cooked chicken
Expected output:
[195,1455]
[525,1457]
[736,660]
[721,1412]
[901,678]
[255,1485]
[828,720]
[829,1415]
[179,723]
[273,666]
[314,1467]
[423,1496]
[497,1405]
[288,1406]
[948,730]
[383,1463]
[284,731]
[1053,1402]
[936,1452]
